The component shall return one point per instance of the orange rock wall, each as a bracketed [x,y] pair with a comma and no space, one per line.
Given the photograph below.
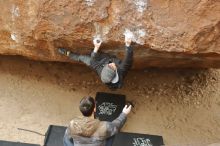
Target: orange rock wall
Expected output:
[167,33]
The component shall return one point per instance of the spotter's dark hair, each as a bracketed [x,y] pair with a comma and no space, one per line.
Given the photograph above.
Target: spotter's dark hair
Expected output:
[87,105]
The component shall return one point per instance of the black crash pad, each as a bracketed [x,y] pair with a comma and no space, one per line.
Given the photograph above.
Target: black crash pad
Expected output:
[109,106]
[9,143]
[54,136]
[134,139]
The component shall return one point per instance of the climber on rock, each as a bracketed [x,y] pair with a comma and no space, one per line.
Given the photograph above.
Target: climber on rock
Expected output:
[110,69]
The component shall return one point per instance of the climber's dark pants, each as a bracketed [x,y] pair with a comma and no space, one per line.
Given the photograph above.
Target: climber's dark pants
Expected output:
[81,58]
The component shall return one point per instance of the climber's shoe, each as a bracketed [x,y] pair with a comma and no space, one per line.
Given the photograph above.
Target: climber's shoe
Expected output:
[64,51]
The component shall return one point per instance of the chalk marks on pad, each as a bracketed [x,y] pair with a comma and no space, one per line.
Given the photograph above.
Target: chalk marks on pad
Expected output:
[107,108]
[141,142]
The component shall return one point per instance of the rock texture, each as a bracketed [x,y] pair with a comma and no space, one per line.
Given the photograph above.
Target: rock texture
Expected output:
[167,33]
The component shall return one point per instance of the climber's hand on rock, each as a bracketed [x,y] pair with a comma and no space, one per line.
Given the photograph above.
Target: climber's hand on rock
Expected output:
[97,43]
[128,41]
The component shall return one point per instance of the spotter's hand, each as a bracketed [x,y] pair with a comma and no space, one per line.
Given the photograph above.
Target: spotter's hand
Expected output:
[127,109]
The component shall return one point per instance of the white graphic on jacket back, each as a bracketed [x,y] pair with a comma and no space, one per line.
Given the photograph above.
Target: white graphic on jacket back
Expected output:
[142,142]
[107,108]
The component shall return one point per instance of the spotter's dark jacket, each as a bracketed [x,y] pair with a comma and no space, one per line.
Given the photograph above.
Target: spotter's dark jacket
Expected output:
[86,131]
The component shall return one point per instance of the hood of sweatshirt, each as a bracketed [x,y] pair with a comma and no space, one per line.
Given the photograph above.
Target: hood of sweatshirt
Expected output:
[83,126]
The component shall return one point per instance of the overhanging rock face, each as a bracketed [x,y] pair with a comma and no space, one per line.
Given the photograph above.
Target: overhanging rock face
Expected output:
[166,33]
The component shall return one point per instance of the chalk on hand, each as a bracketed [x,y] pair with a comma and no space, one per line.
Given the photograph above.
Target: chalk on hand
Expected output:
[97,40]
[128,34]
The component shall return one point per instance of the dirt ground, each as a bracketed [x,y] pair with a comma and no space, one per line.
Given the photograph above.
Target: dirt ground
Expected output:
[182,105]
